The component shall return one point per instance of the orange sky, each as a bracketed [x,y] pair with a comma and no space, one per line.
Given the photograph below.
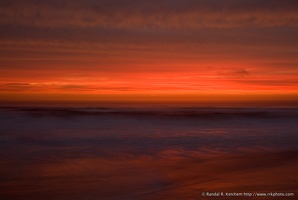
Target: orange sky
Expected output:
[198,51]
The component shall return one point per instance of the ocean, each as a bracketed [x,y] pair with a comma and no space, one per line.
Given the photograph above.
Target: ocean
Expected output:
[115,153]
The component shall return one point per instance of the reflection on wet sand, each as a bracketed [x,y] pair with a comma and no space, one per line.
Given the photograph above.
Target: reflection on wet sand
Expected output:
[164,176]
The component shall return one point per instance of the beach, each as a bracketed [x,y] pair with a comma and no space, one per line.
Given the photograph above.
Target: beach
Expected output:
[148,153]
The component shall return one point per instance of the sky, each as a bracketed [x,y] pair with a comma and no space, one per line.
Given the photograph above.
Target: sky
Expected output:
[139,50]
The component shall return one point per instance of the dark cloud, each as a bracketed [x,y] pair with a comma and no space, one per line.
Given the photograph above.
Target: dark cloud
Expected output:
[139,35]
[241,72]
[149,25]
[236,73]
[140,14]
[15,86]
[141,25]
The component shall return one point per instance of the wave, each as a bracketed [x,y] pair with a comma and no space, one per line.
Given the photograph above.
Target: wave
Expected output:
[185,112]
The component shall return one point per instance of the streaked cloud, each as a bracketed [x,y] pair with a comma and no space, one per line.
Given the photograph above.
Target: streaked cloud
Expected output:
[144,14]
[115,46]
